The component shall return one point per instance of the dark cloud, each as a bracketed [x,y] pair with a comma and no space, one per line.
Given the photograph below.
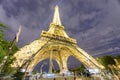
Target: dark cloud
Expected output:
[94,23]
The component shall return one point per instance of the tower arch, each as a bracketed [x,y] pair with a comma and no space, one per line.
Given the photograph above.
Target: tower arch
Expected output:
[43,66]
[61,53]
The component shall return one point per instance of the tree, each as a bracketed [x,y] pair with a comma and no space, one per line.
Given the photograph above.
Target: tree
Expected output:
[79,70]
[7,69]
[4,46]
[106,60]
[2,52]
[2,27]
[118,58]
[82,68]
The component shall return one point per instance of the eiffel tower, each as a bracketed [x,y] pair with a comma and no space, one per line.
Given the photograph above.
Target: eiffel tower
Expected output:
[54,44]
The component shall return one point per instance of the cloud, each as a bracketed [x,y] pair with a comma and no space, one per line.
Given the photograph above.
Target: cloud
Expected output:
[8,20]
[107,51]
[90,16]
[21,13]
[94,23]
[105,26]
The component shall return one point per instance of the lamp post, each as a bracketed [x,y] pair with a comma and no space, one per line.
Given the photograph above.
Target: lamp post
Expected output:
[42,67]
[14,41]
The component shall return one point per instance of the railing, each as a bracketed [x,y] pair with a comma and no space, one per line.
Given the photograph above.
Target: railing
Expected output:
[62,38]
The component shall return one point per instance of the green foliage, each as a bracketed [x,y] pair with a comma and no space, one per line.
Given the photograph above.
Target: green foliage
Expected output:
[19,76]
[34,72]
[118,58]
[80,69]
[2,51]
[2,27]
[54,71]
[2,54]
[7,68]
[4,47]
[106,60]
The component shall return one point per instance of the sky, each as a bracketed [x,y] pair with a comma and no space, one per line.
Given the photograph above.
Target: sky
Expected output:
[95,24]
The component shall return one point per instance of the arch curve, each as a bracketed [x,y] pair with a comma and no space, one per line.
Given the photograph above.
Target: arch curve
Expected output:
[61,52]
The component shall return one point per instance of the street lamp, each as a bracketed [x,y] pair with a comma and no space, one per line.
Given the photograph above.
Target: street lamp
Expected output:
[42,67]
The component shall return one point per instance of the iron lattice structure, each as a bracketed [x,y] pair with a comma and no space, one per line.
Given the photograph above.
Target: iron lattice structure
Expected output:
[57,44]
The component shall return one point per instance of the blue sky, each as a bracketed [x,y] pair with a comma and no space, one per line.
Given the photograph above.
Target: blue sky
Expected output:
[95,24]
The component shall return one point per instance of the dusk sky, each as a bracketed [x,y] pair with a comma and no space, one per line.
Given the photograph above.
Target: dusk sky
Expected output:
[95,24]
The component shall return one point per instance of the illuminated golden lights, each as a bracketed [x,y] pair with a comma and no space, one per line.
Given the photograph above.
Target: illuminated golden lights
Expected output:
[56,18]
[55,39]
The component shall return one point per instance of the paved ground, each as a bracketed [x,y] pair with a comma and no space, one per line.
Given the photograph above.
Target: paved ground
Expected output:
[81,78]
[66,78]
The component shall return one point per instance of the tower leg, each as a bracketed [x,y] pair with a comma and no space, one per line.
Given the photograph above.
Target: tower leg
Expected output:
[63,67]
[50,63]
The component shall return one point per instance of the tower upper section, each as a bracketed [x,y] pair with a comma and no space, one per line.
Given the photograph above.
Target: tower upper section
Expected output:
[56,18]
[56,30]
